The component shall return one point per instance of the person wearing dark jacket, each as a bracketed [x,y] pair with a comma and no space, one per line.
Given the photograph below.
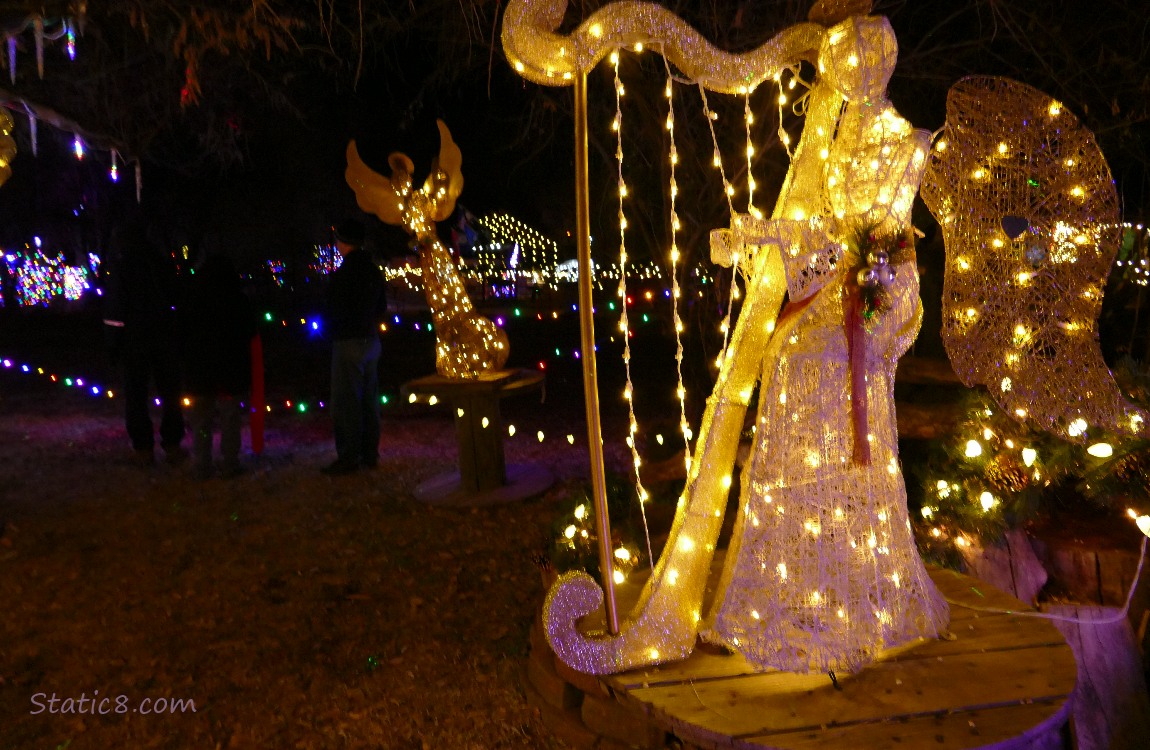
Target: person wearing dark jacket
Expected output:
[355,298]
[218,328]
[140,321]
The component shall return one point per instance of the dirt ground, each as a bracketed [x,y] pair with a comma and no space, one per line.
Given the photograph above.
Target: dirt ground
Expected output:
[283,608]
[294,610]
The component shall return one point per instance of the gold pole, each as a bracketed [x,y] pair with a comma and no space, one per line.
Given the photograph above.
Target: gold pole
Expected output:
[587,337]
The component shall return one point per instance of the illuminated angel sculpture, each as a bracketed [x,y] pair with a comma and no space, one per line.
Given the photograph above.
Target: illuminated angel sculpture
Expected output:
[822,572]
[467,344]
[7,146]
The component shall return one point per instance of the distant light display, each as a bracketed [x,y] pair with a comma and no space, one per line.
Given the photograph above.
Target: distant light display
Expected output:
[325,259]
[41,279]
[535,250]
[276,268]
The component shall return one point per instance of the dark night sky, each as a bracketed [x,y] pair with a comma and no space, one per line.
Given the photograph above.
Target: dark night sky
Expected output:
[291,188]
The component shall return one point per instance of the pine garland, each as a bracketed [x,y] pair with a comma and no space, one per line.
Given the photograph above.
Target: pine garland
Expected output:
[993,474]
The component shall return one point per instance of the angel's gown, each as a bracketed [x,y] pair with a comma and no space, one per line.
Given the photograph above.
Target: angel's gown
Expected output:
[822,571]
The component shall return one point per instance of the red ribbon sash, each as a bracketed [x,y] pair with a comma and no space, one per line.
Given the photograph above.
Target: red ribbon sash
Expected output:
[857,356]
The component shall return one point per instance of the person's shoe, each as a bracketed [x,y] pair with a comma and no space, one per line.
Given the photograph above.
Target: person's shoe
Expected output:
[369,463]
[339,467]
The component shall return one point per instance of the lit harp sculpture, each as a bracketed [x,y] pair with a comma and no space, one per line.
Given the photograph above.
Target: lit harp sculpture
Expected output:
[822,572]
[467,344]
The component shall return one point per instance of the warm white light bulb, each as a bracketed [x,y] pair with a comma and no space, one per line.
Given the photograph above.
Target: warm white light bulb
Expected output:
[1101,450]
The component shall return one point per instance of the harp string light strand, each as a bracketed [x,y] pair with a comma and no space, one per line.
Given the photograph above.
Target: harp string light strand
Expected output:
[729,192]
[676,292]
[624,323]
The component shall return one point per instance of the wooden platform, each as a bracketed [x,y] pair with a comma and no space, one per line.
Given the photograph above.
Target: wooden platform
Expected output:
[1003,682]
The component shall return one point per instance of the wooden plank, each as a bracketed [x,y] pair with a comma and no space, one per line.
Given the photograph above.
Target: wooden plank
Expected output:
[439,385]
[465,429]
[567,725]
[1011,565]
[1010,675]
[942,731]
[550,686]
[480,435]
[1111,707]
[976,635]
[699,666]
[609,718]
[971,592]
[975,632]
[926,421]
[748,706]
[987,633]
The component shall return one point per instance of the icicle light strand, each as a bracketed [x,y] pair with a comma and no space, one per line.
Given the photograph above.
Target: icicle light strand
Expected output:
[624,327]
[676,293]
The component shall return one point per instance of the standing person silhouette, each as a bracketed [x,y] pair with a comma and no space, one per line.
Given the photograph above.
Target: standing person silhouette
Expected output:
[219,325]
[355,298]
[140,321]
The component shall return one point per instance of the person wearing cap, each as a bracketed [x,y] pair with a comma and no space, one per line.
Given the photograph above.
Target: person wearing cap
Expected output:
[355,298]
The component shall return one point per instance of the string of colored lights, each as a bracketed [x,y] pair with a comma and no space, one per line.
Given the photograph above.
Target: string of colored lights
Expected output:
[314,325]
[298,406]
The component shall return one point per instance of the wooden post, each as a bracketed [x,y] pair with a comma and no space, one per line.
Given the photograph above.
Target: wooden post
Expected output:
[481,463]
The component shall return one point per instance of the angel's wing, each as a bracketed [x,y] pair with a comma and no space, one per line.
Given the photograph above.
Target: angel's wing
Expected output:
[7,146]
[374,193]
[387,197]
[445,182]
[1029,215]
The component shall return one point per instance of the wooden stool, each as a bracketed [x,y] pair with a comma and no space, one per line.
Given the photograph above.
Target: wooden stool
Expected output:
[483,478]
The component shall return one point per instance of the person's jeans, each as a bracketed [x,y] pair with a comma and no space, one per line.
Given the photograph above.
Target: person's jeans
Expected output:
[204,410]
[355,399]
[145,363]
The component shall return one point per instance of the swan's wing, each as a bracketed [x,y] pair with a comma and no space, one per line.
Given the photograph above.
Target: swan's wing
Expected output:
[1029,215]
